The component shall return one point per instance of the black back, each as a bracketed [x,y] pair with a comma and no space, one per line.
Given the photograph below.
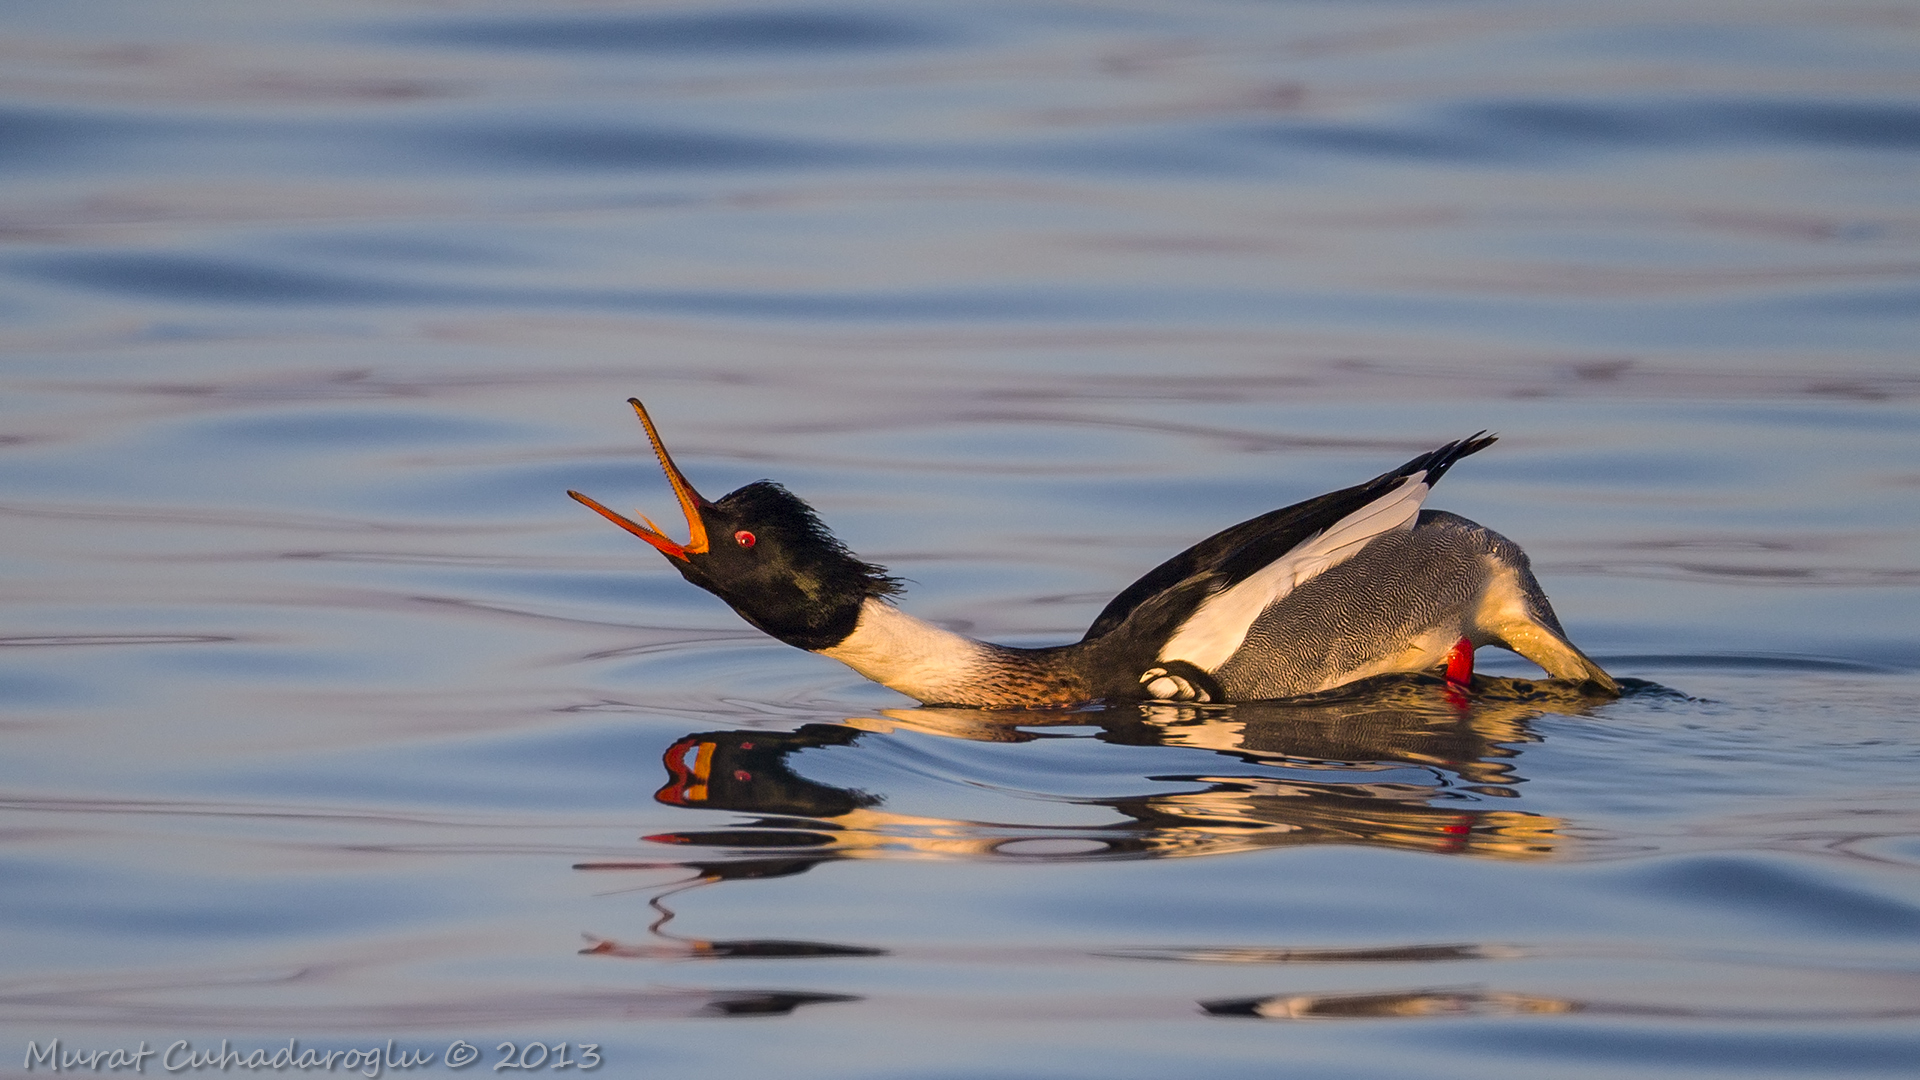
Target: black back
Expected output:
[1161,601]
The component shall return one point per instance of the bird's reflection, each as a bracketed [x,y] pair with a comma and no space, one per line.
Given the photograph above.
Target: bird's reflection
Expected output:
[1409,763]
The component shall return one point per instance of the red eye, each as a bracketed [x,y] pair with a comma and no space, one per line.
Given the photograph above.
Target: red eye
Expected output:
[743,538]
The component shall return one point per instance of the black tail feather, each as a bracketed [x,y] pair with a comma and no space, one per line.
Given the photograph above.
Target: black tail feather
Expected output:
[1437,462]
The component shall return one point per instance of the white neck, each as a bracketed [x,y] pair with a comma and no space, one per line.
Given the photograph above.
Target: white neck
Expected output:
[912,655]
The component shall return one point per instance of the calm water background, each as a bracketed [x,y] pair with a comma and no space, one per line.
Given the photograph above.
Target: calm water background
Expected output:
[329,717]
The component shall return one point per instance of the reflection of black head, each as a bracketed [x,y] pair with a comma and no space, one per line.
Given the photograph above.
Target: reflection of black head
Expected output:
[748,771]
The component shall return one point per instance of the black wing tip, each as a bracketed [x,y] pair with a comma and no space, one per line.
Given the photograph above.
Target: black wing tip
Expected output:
[1472,444]
[1435,463]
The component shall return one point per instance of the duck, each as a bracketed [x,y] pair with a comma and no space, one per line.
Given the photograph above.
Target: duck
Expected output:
[1306,599]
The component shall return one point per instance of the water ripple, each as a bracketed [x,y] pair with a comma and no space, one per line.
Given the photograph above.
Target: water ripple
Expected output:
[327,715]
[771,32]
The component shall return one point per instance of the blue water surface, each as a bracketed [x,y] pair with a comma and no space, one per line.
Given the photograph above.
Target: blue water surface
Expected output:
[328,717]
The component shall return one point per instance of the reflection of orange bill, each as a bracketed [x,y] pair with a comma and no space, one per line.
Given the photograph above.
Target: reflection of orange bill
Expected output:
[688,784]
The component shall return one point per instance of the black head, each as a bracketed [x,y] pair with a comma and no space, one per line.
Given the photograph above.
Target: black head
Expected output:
[766,553]
[779,567]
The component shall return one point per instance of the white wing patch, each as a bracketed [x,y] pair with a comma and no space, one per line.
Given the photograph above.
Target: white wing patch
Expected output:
[1215,631]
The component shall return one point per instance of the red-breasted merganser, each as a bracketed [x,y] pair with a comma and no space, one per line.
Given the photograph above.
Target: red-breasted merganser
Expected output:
[1355,583]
